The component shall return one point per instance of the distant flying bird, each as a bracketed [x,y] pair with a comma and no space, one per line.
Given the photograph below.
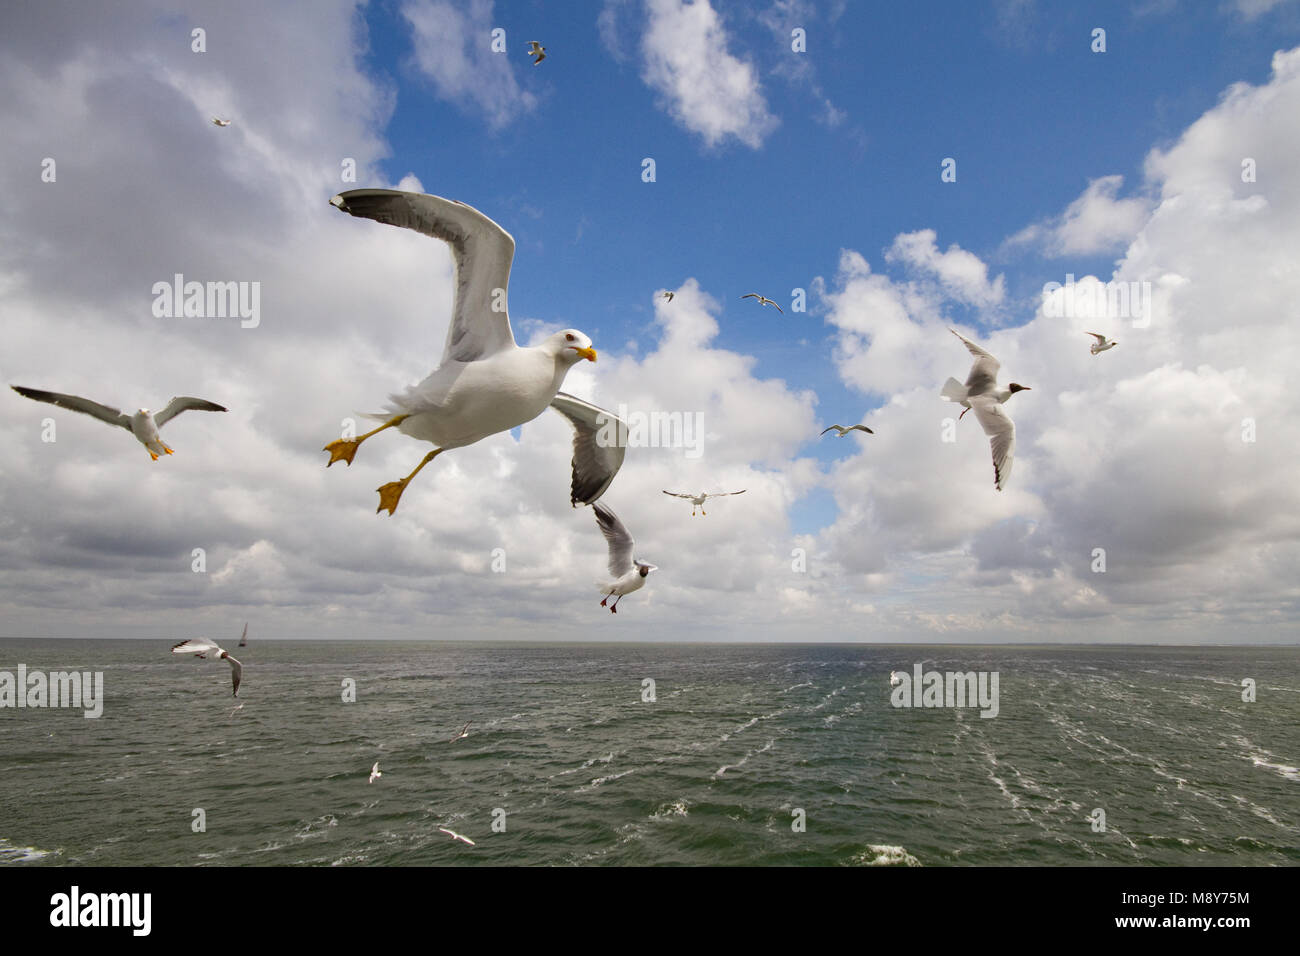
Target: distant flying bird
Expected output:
[456,836]
[669,296]
[374,773]
[202,647]
[1101,344]
[464,732]
[763,300]
[981,393]
[143,424]
[629,574]
[243,638]
[895,678]
[485,383]
[537,50]
[842,430]
[220,122]
[697,501]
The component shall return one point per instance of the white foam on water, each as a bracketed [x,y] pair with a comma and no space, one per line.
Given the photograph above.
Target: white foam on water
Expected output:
[12,853]
[877,854]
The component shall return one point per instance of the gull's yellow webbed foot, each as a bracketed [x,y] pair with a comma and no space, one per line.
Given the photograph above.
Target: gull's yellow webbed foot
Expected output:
[391,493]
[152,455]
[343,449]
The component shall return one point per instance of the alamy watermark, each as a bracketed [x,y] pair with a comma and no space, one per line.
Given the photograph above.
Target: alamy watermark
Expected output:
[84,689]
[950,689]
[208,300]
[657,429]
[1095,299]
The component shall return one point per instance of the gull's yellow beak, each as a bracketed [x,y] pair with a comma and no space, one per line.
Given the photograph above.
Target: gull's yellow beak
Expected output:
[588,354]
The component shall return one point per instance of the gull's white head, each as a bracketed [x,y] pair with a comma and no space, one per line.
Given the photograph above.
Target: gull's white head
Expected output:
[570,346]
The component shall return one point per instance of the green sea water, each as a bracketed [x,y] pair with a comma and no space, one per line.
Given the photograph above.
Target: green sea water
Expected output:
[747,755]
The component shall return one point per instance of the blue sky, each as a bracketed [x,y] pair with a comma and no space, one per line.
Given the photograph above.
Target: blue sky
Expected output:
[774,171]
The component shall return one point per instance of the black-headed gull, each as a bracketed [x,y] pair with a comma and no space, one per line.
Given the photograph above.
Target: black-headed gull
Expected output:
[669,296]
[537,50]
[220,122]
[464,732]
[1101,345]
[456,836]
[982,394]
[143,424]
[374,773]
[629,573]
[697,501]
[201,647]
[485,383]
[843,430]
[763,300]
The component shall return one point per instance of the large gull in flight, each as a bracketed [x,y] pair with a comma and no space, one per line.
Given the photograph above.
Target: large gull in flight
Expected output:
[485,383]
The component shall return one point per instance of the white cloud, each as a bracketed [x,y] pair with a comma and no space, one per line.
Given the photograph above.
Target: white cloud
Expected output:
[1096,222]
[962,274]
[706,88]
[1138,451]
[453,49]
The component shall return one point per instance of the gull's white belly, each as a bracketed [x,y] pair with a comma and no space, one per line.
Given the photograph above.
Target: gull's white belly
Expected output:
[632,581]
[463,402]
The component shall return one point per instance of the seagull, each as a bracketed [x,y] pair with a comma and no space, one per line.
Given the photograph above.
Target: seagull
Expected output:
[456,836]
[236,709]
[981,393]
[374,773]
[895,678]
[464,732]
[485,383]
[629,574]
[669,296]
[243,638]
[201,647]
[842,430]
[143,424]
[763,300]
[537,50]
[220,122]
[1101,344]
[697,501]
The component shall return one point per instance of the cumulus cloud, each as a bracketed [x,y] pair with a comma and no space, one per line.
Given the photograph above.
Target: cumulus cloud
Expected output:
[1153,466]
[453,49]
[705,88]
[1096,222]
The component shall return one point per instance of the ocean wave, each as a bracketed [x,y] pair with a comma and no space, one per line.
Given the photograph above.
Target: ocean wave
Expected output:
[883,855]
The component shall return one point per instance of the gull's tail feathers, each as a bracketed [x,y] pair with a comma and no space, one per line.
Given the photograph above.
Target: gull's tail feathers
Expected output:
[953,390]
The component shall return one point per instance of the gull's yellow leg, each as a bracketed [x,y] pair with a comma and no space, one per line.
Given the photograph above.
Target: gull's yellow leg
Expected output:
[344,448]
[391,493]
[152,455]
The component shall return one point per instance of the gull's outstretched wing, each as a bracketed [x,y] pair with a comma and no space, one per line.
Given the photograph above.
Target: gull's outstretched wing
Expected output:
[723,494]
[617,537]
[599,445]
[236,672]
[481,250]
[678,494]
[997,424]
[1101,339]
[185,403]
[197,645]
[984,373]
[75,403]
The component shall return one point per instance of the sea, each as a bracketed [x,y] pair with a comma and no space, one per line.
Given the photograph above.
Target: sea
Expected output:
[655,754]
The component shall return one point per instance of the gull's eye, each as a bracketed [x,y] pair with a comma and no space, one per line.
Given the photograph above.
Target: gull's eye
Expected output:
[570,337]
